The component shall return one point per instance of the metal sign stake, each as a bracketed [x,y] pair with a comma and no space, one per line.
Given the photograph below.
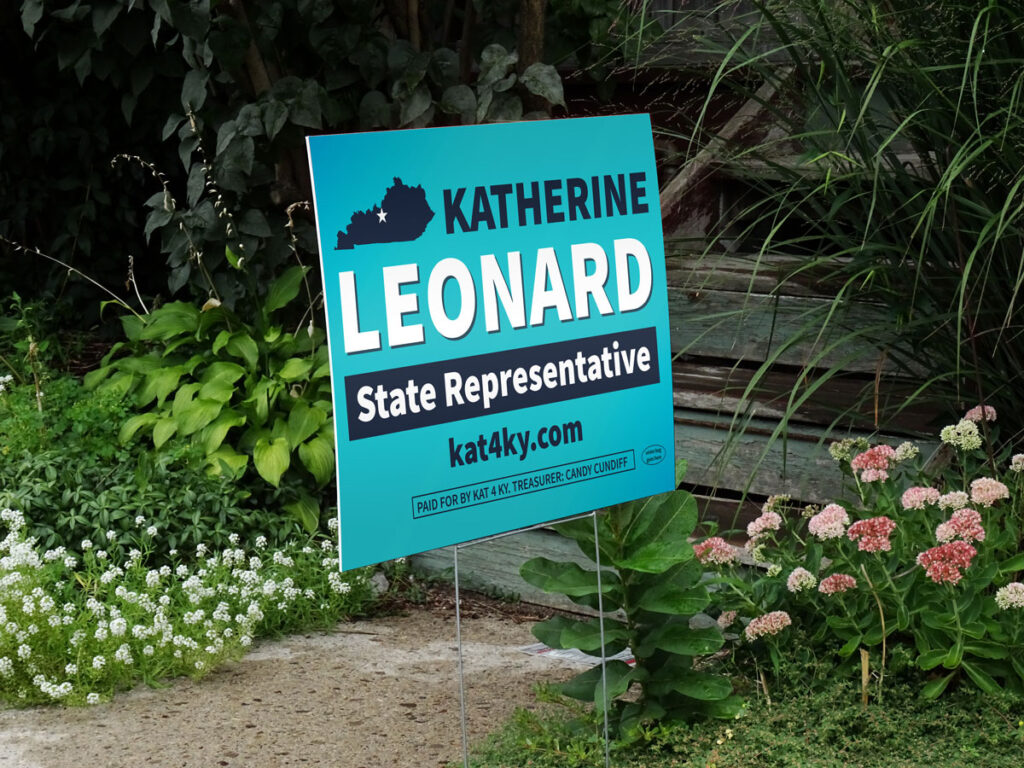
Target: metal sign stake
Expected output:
[458,643]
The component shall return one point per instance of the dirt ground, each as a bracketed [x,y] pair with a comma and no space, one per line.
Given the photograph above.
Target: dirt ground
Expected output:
[375,694]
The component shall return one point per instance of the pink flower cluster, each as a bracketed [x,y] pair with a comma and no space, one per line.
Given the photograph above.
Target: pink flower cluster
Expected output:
[830,523]
[964,524]
[954,500]
[873,534]
[917,497]
[1010,596]
[725,619]
[1017,462]
[945,563]
[873,464]
[801,579]
[987,491]
[714,551]
[768,521]
[981,413]
[769,624]
[837,583]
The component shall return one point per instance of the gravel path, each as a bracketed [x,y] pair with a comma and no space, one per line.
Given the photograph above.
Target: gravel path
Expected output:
[375,694]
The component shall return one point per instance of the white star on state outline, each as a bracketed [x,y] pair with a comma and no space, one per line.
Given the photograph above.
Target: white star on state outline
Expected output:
[382,216]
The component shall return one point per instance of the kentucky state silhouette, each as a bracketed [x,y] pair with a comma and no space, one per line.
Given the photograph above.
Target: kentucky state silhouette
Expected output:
[402,215]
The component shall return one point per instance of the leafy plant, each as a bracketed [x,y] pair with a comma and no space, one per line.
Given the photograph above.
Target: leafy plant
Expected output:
[649,573]
[931,570]
[65,468]
[251,397]
[891,173]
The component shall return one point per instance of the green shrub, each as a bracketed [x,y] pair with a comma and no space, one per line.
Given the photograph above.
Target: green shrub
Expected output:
[648,570]
[65,469]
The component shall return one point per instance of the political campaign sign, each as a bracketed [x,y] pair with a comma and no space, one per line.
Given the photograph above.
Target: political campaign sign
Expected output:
[498,327]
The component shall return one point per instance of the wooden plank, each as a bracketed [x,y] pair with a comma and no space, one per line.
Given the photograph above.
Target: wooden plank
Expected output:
[493,565]
[752,462]
[753,327]
[846,398]
[766,274]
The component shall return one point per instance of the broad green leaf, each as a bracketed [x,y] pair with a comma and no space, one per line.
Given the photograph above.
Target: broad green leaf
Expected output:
[702,685]
[295,368]
[582,686]
[227,460]
[723,709]
[666,597]
[567,578]
[222,370]
[243,346]
[954,656]
[199,413]
[1012,564]
[306,511]
[163,431]
[218,390]
[935,688]
[850,646]
[586,635]
[303,422]
[550,631]
[617,678]
[931,659]
[171,320]
[271,459]
[987,650]
[681,639]
[981,678]
[193,90]
[233,259]
[543,80]
[214,434]
[284,289]
[158,385]
[183,399]
[318,457]
[416,104]
[134,423]
[374,110]
[657,537]
[459,100]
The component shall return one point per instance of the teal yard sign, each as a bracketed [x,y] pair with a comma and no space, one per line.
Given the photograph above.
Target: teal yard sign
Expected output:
[498,326]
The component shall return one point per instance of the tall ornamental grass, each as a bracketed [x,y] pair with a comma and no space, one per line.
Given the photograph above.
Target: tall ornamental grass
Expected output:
[893,171]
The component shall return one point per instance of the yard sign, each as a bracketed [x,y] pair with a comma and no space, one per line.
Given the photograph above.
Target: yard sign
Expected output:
[498,327]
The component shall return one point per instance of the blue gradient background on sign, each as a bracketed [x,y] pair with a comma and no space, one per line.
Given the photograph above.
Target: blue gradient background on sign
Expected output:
[378,476]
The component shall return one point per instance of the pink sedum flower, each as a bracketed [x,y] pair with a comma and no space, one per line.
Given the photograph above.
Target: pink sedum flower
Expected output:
[726,619]
[1017,463]
[917,497]
[873,475]
[944,564]
[830,523]
[872,535]
[768,521]
[769,624]
[800,579]
[836,584]
[1010,596]
[714,551]
[964,524]
[987,491]
[954,500]
[873,463]
[981,413]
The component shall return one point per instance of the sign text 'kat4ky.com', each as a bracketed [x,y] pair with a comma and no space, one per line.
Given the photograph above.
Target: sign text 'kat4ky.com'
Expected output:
[498,326]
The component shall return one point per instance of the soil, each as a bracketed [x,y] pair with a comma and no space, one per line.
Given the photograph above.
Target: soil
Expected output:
[381,693]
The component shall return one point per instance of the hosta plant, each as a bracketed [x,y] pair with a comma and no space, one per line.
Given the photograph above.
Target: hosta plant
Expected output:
[651,579]
[254,396]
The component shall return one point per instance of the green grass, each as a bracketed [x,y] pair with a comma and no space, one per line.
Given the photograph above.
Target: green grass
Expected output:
[823,729]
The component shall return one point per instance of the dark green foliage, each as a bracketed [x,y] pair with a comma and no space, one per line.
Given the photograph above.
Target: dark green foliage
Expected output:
[821,728]
[248,397]
[65,470]
[648,571]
